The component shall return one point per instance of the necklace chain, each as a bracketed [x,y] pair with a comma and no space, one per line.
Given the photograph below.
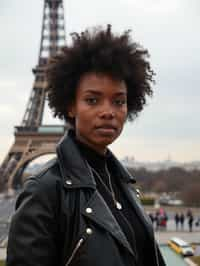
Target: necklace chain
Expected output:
[111,190]
[110,183]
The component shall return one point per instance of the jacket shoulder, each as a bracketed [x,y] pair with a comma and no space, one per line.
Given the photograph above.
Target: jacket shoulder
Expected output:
[34,227]
[45,184]
[49,175]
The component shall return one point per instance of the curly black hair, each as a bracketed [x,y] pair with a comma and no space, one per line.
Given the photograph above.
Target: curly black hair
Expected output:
[99,51]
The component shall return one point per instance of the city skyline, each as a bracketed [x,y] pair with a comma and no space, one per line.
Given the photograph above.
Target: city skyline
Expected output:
[169,124]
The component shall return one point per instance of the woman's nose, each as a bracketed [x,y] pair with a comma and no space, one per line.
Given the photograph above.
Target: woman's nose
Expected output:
[107,115]
[107,112]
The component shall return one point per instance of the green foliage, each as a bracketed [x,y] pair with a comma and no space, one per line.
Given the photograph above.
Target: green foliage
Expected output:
[147,201]
[196,260]
[175,179]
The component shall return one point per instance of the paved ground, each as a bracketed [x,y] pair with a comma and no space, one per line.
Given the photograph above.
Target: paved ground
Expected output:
[162,238]
[171,226]
[6,210]
[191,237]
[7,207]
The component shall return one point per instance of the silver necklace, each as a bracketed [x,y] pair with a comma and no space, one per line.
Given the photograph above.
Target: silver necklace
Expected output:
[118,205]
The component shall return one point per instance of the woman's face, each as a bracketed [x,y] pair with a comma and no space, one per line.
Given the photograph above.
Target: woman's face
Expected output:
[100,110]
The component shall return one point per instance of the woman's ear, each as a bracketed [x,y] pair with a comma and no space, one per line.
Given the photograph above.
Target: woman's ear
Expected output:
[71,111]
[70,114]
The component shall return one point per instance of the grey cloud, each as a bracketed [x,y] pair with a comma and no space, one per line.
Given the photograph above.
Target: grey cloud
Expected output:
[169,29]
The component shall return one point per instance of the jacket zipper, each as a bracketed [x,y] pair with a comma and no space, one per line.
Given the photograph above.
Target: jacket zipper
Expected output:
[78,245]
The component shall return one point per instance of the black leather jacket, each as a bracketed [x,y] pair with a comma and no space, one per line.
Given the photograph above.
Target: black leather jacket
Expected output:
[61,219]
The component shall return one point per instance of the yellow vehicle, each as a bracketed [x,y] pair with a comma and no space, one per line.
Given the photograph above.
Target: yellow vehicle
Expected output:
[181,246]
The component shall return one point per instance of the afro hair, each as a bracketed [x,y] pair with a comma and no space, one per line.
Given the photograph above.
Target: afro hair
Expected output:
[100,51]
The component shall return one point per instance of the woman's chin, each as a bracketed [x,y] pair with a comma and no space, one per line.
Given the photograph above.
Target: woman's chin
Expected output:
[104,141]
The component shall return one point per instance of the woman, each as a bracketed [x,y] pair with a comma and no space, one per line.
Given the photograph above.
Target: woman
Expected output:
[82,209]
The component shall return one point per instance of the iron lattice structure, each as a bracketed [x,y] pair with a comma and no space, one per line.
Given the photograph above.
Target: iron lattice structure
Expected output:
[32,139]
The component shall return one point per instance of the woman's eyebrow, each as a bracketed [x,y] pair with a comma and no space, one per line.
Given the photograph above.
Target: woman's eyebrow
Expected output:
[93,91]
[121,93]
[101,92]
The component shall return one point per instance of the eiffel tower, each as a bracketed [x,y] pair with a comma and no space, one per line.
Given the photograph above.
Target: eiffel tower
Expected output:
[32,139]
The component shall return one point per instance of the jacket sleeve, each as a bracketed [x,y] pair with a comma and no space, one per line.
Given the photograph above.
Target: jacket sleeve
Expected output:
[32,236]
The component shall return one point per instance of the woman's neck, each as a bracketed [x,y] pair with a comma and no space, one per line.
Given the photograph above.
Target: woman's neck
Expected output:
[98,149]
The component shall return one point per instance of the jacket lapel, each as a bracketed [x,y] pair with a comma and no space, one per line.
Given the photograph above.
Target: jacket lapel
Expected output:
[76,174]
[100,214]
[136,205]
[126,180]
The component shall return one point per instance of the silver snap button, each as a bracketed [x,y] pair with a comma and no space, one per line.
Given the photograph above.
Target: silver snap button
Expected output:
[138,191]
[89,231]
[68,182]
[88,210]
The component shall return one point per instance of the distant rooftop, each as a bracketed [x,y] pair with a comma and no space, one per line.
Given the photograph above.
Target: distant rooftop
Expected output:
[156,166]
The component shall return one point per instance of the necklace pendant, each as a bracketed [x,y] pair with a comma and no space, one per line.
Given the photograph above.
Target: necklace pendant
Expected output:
[118,205]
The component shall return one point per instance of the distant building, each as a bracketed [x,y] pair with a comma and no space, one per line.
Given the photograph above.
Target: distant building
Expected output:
[159,165]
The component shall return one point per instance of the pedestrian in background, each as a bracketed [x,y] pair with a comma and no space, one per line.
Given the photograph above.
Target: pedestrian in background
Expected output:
[197,223]
[190,221]
[177,220]
[182,220]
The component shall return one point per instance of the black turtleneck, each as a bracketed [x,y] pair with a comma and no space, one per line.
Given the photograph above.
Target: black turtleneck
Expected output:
[126,218]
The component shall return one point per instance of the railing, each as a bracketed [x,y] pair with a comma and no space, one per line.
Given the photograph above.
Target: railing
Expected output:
[42,129]
[51,129]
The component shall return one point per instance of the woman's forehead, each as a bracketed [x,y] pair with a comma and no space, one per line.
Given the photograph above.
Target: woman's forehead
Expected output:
[97,83]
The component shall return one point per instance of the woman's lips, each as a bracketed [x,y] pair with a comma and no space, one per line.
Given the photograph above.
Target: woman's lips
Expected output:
[106,130]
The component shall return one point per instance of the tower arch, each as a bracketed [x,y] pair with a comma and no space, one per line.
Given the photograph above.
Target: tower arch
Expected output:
[31,137]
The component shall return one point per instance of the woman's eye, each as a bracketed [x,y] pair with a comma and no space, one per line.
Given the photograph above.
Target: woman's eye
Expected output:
[120,102]
[91,100]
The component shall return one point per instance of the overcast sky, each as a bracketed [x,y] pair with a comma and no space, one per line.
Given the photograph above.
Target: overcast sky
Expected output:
[170,30]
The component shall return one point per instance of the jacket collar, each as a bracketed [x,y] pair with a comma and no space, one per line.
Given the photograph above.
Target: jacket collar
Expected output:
[73,166]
